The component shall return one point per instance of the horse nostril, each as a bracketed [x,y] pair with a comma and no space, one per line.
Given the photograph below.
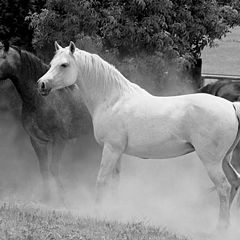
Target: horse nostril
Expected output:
[43,86]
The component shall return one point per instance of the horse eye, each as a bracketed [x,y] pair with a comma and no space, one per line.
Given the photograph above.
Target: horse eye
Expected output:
[64,65]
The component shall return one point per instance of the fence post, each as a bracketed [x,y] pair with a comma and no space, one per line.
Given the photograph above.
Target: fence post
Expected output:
[197,74]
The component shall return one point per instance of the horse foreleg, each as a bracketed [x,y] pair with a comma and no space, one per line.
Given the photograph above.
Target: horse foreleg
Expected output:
[57,150]
[109,169]
[41,150]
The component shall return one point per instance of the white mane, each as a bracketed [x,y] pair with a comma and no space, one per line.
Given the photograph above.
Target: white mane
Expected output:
[105,77]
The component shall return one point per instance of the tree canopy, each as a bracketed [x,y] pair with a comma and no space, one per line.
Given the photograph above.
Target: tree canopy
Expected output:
[147,34]
[13,25]
[176,27]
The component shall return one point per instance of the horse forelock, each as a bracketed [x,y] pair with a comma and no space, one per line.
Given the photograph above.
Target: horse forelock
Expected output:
[60,57]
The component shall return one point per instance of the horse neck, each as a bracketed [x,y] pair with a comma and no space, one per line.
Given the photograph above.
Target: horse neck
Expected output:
[29,71]
[100,82]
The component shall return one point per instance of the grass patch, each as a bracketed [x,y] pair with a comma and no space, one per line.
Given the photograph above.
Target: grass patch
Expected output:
[223,59]
[31,223]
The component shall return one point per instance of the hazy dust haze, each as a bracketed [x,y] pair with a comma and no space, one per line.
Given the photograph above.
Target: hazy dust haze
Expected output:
[171,193]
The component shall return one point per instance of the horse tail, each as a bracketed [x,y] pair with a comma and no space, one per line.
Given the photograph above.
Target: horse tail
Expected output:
[236,106]
[235,176]
[232,175]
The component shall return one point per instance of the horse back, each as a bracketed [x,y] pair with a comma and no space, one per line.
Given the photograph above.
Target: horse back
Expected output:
[149,122]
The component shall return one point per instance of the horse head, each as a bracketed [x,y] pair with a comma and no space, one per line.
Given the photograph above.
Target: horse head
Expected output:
[9,60]
[229,90]
[63,70]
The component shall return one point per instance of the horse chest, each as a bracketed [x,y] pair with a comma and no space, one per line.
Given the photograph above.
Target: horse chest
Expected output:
[42,124]
[32,127]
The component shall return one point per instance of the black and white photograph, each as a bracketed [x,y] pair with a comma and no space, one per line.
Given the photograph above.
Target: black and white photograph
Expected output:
[119,120]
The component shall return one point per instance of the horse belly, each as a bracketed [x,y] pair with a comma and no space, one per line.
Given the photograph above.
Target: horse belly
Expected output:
[154,133]
[168,148]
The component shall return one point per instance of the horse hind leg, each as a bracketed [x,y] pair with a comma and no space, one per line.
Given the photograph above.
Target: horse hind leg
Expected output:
[217,175]
[236,164]
[232,176]
[116,178]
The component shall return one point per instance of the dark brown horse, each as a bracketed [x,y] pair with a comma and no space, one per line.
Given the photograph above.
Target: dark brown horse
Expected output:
[229,90]
[49,121]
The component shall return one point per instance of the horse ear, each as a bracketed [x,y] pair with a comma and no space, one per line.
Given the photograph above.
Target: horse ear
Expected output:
[57,46]
[72,47]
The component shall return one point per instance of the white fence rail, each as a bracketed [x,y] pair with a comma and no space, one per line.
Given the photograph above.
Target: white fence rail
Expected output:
[208,78]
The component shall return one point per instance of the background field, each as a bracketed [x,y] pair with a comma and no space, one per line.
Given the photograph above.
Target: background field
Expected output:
[171,195]
[223,59]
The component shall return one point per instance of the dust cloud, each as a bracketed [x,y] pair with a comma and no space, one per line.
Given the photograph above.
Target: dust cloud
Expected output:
[170,193]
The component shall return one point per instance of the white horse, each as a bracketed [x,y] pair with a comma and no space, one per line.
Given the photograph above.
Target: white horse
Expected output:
[127,119]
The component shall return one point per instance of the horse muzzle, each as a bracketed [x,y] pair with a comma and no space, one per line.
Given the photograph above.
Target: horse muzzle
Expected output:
[43,87]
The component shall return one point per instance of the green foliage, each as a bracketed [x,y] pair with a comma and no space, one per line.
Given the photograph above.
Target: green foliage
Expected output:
[230,12]
[13,25]
[174,28]
[122,30]
[63,20]
[137,36]
[136,26]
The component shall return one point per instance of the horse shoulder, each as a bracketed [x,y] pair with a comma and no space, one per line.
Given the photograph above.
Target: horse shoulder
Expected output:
[108,127]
